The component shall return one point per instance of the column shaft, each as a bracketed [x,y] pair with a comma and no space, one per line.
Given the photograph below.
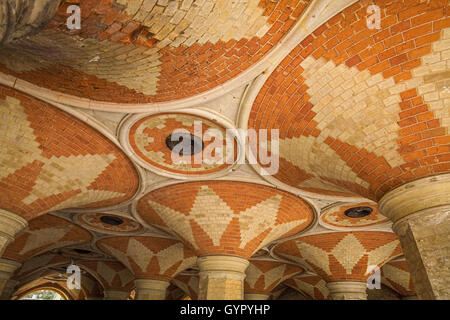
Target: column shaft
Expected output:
[347,290]
[221,277]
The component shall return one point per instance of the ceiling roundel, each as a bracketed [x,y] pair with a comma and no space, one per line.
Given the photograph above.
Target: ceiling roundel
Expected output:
[354,215]
[180,144]
[359,110]
[51,161]
[213,219]
[150,51]
[108,223]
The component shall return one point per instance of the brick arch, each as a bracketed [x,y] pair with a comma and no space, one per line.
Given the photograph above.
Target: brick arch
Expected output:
[40,142]
[362,111]
[212,219]
[185,47]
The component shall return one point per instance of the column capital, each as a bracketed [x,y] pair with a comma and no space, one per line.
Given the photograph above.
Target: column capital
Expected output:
[232,266]
[416,196]
[151,289]
[347,290]
[8,266]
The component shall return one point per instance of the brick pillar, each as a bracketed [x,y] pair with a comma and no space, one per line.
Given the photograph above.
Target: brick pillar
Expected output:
[151,289]
[221,277]
[347,290]
[256,296]
[7,268]
[9,289]
[26,18]
[10,225]
[115,295]
[420,211]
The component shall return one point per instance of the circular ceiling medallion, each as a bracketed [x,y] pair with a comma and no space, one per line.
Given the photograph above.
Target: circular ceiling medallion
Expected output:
[353,216]
[181,144]
[108,223]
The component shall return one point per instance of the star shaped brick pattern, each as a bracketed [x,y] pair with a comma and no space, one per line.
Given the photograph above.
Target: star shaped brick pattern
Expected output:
[213,219]
[51,161]
[339,256]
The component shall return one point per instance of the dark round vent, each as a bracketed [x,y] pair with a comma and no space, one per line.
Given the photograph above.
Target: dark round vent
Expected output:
[187,144]
[358,212]
[114,221]
[82,251]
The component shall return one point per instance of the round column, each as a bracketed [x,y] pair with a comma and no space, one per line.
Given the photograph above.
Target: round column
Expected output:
[151,289]
[347,290]
[7,268]
[420,211]
[221,277]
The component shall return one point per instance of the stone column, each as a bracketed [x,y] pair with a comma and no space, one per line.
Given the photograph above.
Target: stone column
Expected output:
[221,277]
[151,289]
[256,296]
[420,211]
[9,289]
[7,268]
[10,225]
[347,290]
[115,295]
[23,18]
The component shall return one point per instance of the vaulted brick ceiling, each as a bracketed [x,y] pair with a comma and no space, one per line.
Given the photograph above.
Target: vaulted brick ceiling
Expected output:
[149,51]
[359,110]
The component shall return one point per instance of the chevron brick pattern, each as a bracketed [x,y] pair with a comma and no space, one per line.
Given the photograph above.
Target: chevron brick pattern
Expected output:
[189,285]
[262,276]
[150,257]
[111,274]
[340,256]
[314,287]
[363,111]
[213,219]
[43,234]
[52,161]
[396,275]
[163,50]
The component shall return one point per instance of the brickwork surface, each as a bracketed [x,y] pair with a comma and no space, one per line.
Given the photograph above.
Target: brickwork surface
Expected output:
[227,217]
[263,276]
[189,285]
[52,161]
[111,274]
[151,51]
[339,256]
[150,257]
[363,110]
[313,287]
[396,275]
[37,264]
[336,216]
[43,234]
[147,138]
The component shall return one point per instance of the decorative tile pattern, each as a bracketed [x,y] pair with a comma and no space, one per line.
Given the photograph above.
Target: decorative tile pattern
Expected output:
[262,276]
[336,216]
[396,275]
[112,275]
[151,51]
[148,136]
[150,257]
[93,221]
[311,286]
[52,161]
[339,256]
[189,285]
[363,110]
[213,219]
[43,234]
